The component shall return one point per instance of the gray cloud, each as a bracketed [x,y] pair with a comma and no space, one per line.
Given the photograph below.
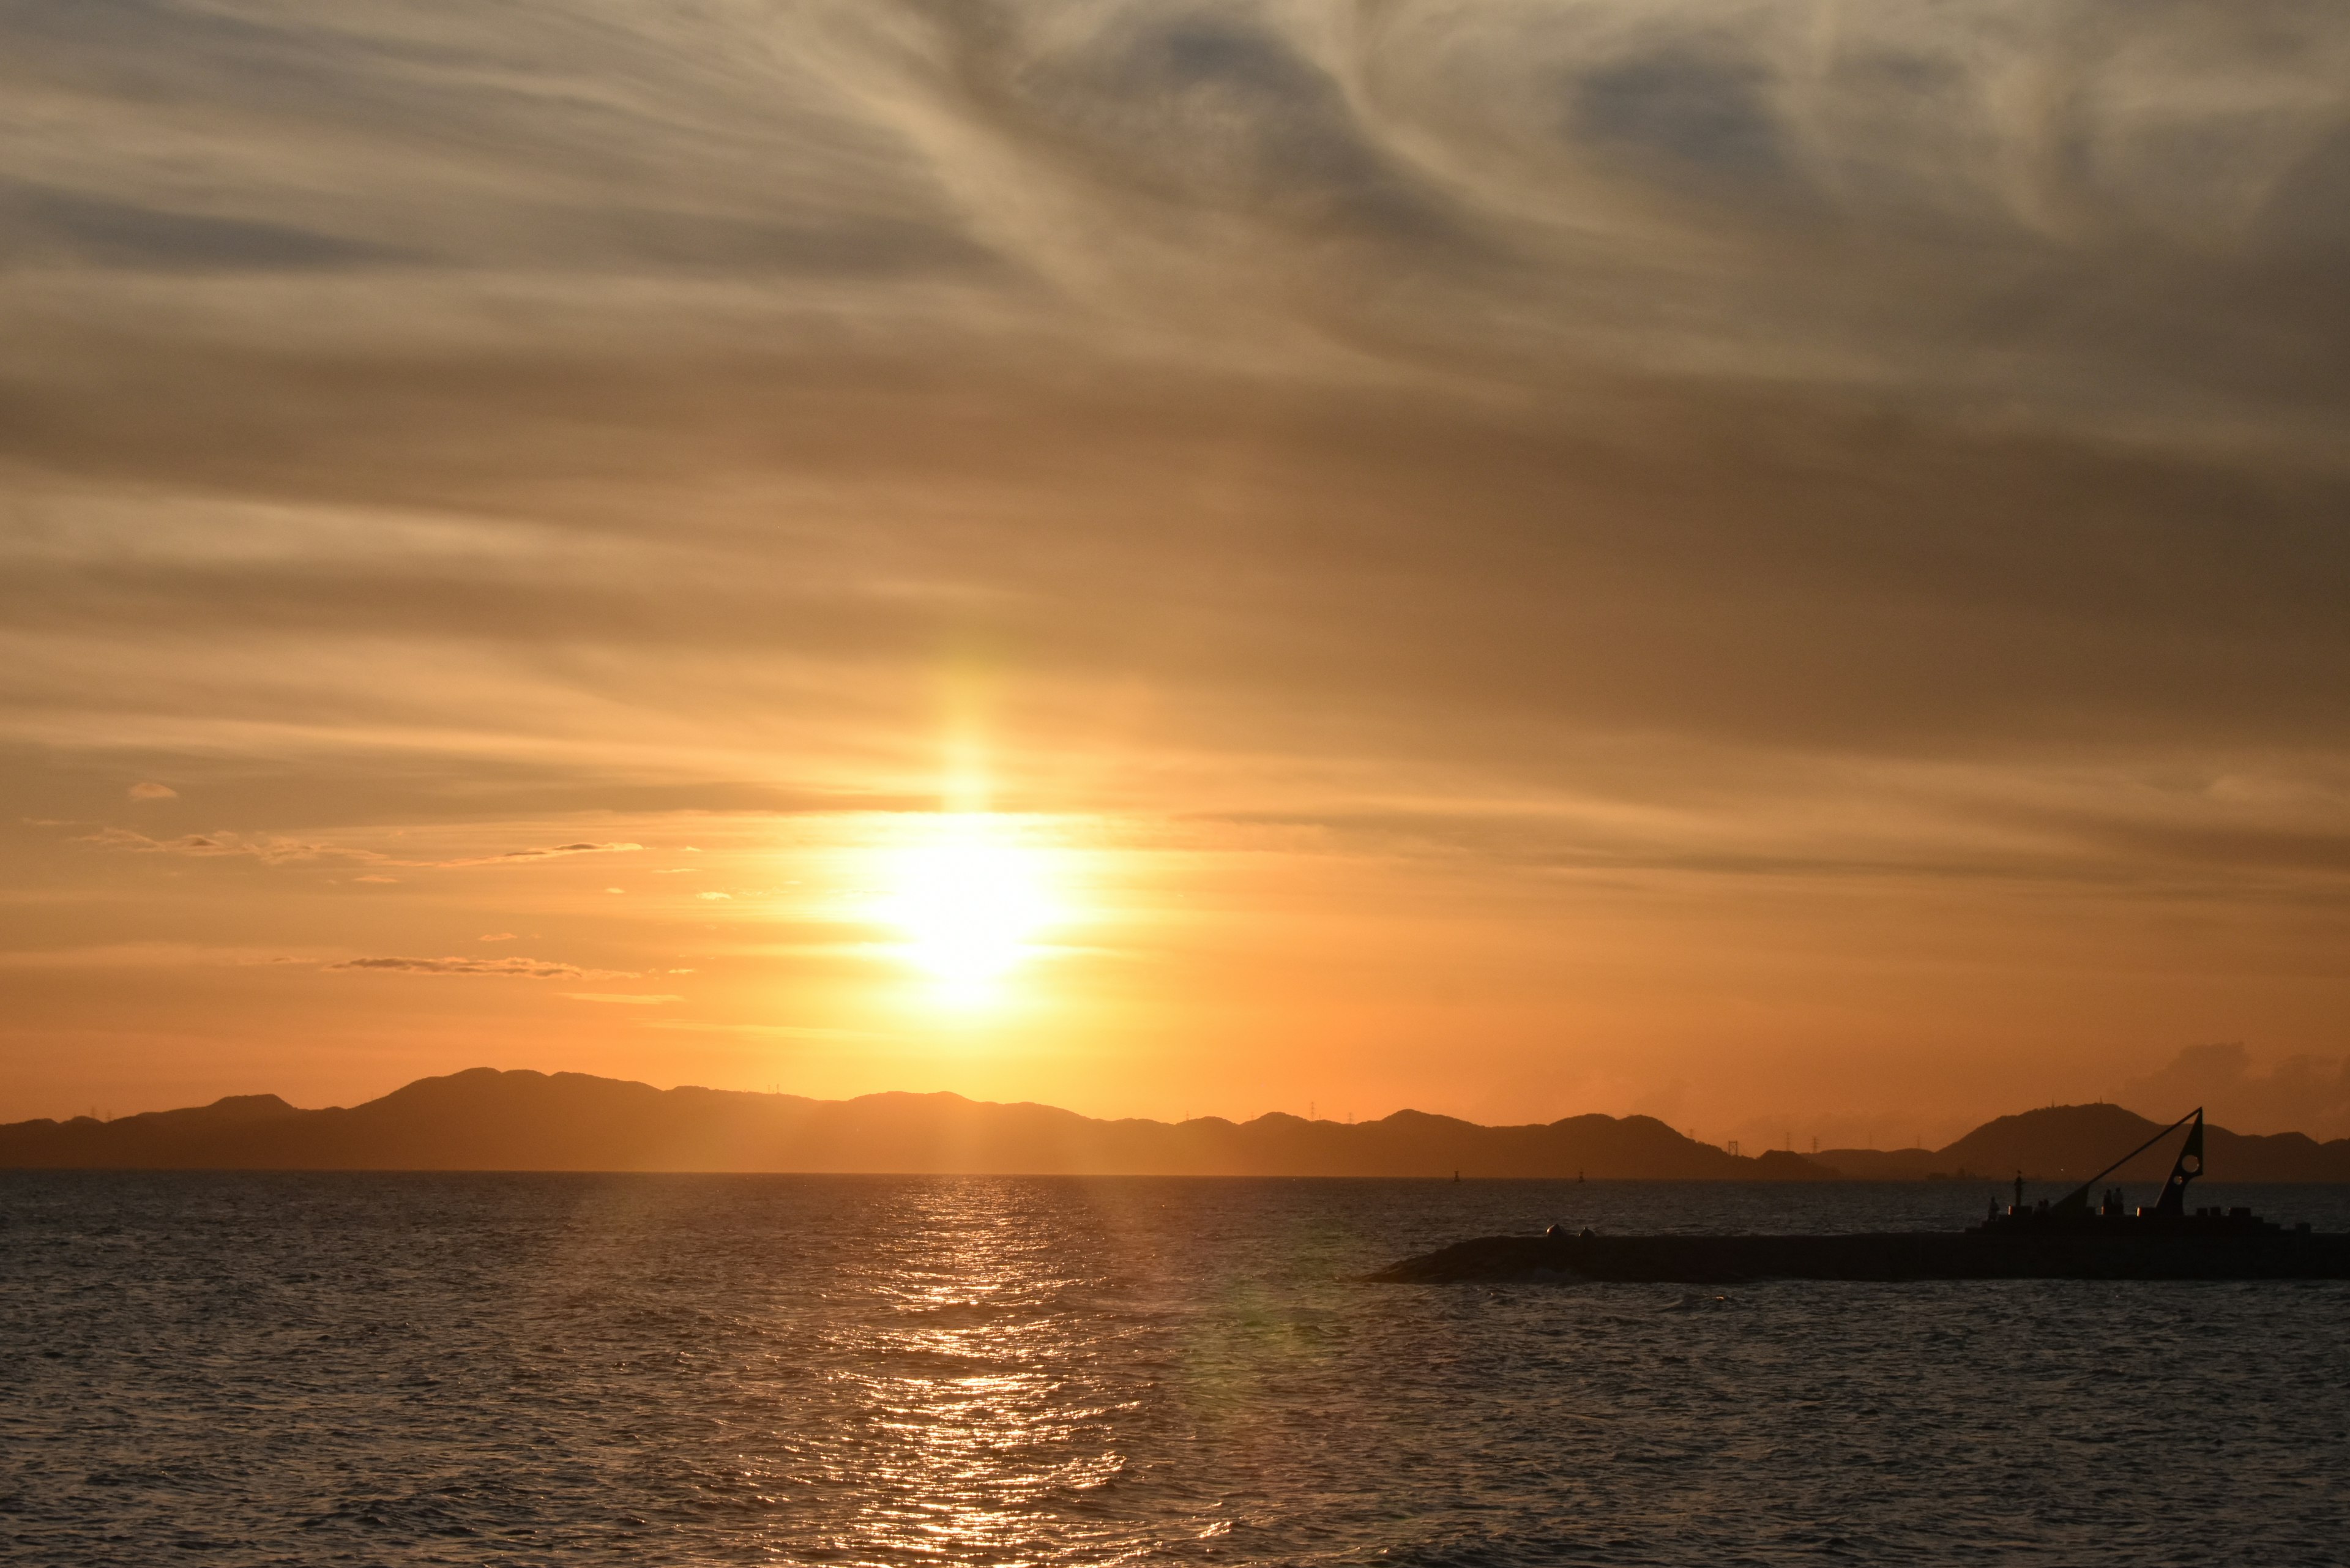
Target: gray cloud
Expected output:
[53,228]
[1709,118]
[263,137]
[1196,103]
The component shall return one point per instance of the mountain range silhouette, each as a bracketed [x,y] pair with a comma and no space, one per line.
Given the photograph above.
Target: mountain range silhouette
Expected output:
[484,1119]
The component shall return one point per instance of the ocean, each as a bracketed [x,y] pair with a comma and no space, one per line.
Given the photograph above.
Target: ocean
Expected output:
[516,1369]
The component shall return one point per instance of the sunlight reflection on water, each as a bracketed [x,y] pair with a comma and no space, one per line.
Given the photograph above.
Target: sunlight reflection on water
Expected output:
[895,1370]
[977,1425]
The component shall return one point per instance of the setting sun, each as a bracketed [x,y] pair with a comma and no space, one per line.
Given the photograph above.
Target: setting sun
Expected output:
[968,901]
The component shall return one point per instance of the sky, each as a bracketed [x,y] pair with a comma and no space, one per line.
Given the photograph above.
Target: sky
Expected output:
[1781,568]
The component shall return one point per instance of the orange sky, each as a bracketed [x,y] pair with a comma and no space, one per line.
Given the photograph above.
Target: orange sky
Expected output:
[1782,570]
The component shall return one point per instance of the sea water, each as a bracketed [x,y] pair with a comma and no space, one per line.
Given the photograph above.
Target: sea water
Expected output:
[291,1368]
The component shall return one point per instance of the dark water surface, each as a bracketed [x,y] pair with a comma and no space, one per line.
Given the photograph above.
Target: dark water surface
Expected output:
[680,1370]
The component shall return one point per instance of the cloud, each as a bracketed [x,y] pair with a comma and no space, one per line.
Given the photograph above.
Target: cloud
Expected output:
[519,968]
[497,937]
[372,879]
[514,857]
[1708,116]
[2306,1093]
[781,1031]
[1198,107]
[50,228]
[269,848]
[275,849]
[152,791]
[630,998]
[714,896]
[149,955]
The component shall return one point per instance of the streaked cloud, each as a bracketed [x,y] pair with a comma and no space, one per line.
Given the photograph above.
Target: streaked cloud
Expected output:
[557,851]
[267,847]
[150,955]
[519,968]
[275,849]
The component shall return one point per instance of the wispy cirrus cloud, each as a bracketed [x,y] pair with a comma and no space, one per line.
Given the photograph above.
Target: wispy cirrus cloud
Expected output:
[152,955]
[515,968]
[270,848]
[275,849]
[555,852]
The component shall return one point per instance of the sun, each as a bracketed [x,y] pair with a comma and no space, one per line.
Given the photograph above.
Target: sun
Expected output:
[969,901]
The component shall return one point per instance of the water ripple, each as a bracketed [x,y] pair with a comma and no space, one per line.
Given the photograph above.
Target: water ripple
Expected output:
[519,1370]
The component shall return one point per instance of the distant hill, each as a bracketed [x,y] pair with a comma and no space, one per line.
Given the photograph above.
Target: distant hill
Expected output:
[488,1120]
[2073,1143]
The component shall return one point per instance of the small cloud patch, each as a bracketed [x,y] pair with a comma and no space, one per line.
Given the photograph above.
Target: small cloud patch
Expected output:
[626,997]
[268,849]
[273,850]
[149,790]
[512,968]
[375,879]
[714,896]
[549,852]
[497,937]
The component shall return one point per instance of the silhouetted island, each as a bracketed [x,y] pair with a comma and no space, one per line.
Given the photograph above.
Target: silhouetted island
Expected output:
[490,1120]
[484,1119]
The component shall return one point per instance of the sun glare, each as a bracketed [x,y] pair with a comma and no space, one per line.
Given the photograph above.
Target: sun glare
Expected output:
[969,901]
